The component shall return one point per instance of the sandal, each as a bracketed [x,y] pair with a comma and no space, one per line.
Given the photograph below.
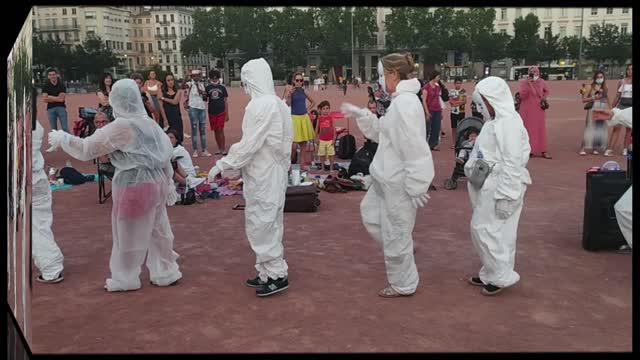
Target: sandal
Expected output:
[388,292]
[582,153]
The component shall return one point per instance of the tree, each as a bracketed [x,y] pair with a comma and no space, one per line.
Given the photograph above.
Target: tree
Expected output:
[491,47]
[550,48]
[92,58]
[525,39]
[607,43]
[571,46]
[291,39]
[401,34]
[248,28]
[475,24]
[51,53]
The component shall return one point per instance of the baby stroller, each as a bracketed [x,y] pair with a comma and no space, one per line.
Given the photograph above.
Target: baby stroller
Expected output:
[462,133]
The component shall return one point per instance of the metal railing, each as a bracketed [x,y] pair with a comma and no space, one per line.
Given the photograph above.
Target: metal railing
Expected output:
[166,36]
[58,28]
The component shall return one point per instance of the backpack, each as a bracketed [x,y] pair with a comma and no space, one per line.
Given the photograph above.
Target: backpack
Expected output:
[444,94]
[72,176]
[362,159]
[346,146]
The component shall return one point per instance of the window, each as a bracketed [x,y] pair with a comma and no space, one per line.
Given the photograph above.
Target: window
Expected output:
[151,47]
[168,68]
[157,31]
[173,30]
[175,58]
[73,11]
[159,45]
[90,15]
[108,43]
[74,22]
[64,11]
[563,12]
[594,11]
[503,13]
[168,59]
[623,28]
[180,31]
[503,31]
[174,45]
[67,36]
[166,31]
[148,21]
[563,31]
[592,28]
[164,18]
[518,12]
[547,12]
[609,11]
[172,18]
[547,31]
[137,60]
[137,47]
[166,44]
[175,69]
[577,12]
[157,18]
[625,10]
[577,31]
[159,59]
[129,47]
[148,33]
[76,36]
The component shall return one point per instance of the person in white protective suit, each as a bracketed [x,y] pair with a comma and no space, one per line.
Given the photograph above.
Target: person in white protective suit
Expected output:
[46,254]
[402,170]
[504,144]
[264,157]
[142,188]
[624,206]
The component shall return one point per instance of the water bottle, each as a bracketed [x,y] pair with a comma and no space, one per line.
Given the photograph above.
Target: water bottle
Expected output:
[295,174]
[52,175]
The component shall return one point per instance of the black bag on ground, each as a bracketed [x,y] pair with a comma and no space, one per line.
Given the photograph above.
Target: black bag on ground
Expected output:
[346,146]
[72,176]
[362,159]
[302,199]
[444,94]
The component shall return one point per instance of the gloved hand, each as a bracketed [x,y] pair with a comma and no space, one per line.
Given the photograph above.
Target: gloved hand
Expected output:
[353,111]
[55,139]
[172,195]
[420,200]
[215,171]
[505,208]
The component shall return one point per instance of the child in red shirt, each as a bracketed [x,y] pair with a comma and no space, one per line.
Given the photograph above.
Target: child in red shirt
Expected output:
[325,133]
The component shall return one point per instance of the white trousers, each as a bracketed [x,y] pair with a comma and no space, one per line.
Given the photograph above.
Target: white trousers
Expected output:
[46,254]
[389,217]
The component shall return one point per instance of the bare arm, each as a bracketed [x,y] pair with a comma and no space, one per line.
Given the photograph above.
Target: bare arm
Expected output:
[313,103]
[162,112]
[424,103]
[176,99]
[226,108]
[102,99]
[618,94]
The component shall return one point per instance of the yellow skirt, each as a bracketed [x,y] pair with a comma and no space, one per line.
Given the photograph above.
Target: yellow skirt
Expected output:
[302,128]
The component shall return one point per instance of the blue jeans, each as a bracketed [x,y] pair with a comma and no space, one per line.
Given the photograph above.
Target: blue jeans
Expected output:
[54,114]
[198,119]
[433,130]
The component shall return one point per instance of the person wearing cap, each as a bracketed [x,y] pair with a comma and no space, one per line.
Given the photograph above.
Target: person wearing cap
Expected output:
[197,109]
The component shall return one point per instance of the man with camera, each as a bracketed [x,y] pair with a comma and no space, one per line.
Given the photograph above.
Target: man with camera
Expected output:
[197,109]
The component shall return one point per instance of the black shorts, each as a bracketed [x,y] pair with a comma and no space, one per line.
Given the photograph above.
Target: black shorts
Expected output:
[455,119]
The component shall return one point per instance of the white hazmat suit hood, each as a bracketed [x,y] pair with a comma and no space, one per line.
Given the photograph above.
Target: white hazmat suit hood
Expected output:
[143,186]
[402,170]
[624,206]
[264,157]
[504,144]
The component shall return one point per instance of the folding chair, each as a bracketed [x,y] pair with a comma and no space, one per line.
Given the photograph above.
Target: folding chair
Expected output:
[105,170]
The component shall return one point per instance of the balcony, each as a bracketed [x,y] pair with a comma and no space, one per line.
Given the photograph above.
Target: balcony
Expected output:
[164,23]
[167,50]
[166,36]
[58,28]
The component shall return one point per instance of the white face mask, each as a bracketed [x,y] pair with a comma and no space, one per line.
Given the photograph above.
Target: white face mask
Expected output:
[480,106]
[381,77]
[536,77]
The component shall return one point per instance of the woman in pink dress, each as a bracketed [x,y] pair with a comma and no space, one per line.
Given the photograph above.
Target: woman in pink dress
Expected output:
[532,91]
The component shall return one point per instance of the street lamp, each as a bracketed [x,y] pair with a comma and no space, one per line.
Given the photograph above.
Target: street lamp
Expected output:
[580,48]
[352,52]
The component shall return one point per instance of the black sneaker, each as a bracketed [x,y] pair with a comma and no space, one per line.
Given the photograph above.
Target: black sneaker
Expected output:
[475,281]
[254,283]
[272,287]
[490,290]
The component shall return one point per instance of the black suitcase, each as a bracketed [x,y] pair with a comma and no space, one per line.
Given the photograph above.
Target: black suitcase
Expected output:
[302,199]
[600,227]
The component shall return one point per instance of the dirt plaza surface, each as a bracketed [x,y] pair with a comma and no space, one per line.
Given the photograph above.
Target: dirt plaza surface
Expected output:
[568,299]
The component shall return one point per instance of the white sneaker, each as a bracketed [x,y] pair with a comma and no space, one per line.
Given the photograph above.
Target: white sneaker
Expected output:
[608,153]
[206,153]
[624,152]
[195,154]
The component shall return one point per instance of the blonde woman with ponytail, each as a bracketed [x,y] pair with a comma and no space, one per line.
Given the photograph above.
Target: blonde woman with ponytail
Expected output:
[402,171]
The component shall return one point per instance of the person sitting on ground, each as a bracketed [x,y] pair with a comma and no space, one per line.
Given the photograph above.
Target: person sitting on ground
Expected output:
[467,146]
[325,132]
[185,173]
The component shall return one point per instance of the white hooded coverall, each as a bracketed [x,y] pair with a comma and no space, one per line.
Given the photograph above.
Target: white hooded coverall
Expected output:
[401,169]
[46,254]
[142,188]
[264,157]
[624,206]
[504,143]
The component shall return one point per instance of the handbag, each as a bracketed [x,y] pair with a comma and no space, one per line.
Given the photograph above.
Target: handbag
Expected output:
[626,101]
[544,104]
[588,105]
[480,173]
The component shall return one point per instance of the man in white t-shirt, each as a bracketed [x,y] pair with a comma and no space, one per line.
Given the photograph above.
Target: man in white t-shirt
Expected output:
[197,109]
